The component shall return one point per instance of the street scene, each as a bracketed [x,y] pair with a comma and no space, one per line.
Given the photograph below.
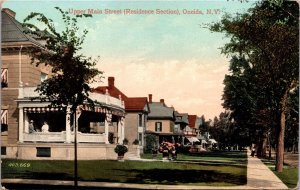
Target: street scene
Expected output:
[149,95]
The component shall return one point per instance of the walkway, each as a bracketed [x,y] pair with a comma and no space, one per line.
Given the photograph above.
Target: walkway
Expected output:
[259,176]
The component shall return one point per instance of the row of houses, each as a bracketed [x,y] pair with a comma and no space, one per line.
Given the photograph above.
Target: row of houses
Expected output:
[114,118]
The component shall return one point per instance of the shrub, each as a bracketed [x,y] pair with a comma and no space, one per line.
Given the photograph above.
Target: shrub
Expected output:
[125,141]
[135,142]
[121,149]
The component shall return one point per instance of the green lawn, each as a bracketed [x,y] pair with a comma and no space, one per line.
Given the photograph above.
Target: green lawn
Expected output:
[214,171]
[289,176]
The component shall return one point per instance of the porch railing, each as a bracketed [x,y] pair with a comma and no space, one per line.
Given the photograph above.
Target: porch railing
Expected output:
[61,137]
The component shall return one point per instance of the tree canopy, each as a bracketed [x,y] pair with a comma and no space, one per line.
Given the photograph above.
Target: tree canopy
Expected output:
[264,48]
[72,71]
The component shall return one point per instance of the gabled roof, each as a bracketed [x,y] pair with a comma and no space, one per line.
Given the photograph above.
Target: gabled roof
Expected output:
[192,121]
[136,104]
[181,118]
[160,110]
[12,30]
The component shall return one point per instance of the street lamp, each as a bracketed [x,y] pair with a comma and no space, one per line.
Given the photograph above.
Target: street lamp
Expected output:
[77,115]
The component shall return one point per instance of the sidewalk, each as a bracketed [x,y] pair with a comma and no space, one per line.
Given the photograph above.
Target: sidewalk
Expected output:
[259,176]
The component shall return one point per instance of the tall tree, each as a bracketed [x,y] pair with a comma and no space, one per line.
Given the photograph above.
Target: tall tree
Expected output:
[72,71]
[267,37]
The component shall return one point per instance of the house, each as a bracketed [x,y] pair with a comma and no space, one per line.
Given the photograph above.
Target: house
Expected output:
[181,122]
[161,122]
[32,129]
[16,72]
[136,108]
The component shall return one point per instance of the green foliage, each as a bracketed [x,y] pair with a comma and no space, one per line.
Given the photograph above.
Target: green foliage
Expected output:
[135,142]
[151,143]
[121,149]
[264,67]
[125,141]
[72,71]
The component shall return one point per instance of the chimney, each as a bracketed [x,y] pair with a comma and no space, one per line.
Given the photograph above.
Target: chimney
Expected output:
[162,101]
[9,12]
[150,98]
[111,81]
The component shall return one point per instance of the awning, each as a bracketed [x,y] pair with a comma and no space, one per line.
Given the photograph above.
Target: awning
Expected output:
[192,139]
[212,141]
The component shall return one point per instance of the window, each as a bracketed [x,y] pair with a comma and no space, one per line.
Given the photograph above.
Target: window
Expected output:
[176,128]
[43,152]
[140,120]
[4,120]
[4,77]
[158,126]
[3,150]
[44,76]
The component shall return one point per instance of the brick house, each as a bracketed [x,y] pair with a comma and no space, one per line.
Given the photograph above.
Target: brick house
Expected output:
[16,72]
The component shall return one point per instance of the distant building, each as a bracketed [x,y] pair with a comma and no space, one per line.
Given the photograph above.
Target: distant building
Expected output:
[161,122]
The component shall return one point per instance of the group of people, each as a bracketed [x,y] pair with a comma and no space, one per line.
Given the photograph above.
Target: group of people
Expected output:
[167,148]
[32,129]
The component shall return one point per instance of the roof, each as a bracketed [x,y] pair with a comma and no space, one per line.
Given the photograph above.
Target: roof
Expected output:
[160,110]
[136,104]
[112,90]
[192,121]
[131,103]
[181,118]
[12,30]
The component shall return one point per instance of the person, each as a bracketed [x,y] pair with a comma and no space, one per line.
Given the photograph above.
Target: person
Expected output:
[45,127]
[31,127]
[253,151]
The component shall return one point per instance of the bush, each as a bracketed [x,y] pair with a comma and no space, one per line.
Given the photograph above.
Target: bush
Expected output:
[125,141]
[135,142]
[151,143]
[121,149]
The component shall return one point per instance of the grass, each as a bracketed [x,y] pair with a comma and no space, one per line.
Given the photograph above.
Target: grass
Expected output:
[289,175]
[196,171]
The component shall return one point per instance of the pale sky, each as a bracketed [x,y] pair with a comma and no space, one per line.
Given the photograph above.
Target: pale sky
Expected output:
[170,56]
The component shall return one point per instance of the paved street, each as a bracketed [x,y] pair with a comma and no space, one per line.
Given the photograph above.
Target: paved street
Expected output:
[259,176]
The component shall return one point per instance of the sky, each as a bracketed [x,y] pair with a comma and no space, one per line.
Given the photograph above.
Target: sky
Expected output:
[166,52]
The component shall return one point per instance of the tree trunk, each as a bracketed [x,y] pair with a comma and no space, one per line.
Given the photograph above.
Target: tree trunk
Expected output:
[280,144]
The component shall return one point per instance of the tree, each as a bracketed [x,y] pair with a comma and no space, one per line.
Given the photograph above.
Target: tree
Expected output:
[267,37]
[72,72]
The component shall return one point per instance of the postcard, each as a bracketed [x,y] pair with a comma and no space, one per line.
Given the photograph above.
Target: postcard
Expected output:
[147,94]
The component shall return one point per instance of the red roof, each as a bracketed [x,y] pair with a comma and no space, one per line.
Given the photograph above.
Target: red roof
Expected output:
[134,104]
[112,90]
[131,103]
[192,120]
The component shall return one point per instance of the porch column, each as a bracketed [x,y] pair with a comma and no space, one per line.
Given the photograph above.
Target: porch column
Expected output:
[107,121]
[26,123]
[119,132]
[122,129]
[21,125]
[68,124]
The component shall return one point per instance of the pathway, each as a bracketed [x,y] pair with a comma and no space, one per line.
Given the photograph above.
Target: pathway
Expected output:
[259,176]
